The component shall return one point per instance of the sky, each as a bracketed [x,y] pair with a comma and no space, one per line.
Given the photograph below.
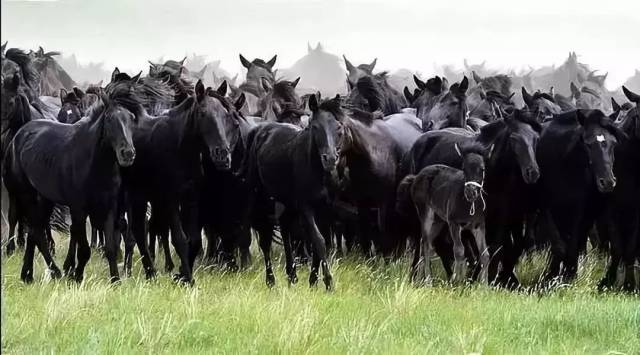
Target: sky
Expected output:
[400,33]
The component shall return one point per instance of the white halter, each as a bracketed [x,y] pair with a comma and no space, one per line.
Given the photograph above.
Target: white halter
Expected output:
[472,210]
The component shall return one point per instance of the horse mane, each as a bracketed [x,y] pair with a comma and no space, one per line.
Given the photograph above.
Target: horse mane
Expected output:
[528,117]
[365,117]
[590,91]
[124,93]
[20,57]
[262,64]
[285,90]
[500,83]
[332,106]
[475,147]
[153,89]
[71,98]
[224,101]
[369,88]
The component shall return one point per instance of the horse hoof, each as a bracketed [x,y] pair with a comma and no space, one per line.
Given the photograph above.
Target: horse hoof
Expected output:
[183,280]
[233,267]
[10,251]
[328,283]
[271,280]
[26,278]
[293,279]
[150,274]
[55,273]
[313,280]
[168,267]
[115,280]
[78,278]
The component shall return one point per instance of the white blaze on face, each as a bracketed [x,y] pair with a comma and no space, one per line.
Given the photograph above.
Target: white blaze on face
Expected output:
[69,112]
[600,138]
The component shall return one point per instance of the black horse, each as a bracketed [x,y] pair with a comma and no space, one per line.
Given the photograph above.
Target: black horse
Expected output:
[281,103]
[442,195]
[542,103]
[168,173]
[252,86]
[576,156]
[373,93]
[440,108]
[76,165]
[371,152]
[75,104]
[297,168]
[623,209]
[511,170]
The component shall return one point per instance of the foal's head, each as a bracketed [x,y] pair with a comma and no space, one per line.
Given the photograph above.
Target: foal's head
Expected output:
[473,157]
[326,130]
[70,109]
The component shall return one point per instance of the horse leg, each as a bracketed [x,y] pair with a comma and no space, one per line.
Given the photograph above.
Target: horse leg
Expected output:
[286,219]
[164,239]
[112,235]
[616,248]
[181,245]
[481,244]
[94,237]
[13,221]
[210,252]
[430,229]
[265,236]
[191,227]
[244,242]
[365,231]
[459,272]
[630,252]
[138,215]
[44,210]
[319,250]
[79,233]
[50,242]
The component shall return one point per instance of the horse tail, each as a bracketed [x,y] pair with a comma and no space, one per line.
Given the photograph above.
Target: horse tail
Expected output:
[404,203]
[59,220]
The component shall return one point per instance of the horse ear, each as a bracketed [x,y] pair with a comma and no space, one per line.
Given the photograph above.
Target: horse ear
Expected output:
[464,85]
[222,89]
[483,95]
[407,94]
[63,94]
[200,89]
[575,92]
[266,85]
[79,93]
[419,83]
[245,62]
[309,49]
[457,149]
[234,79]
[313,103]
[240,101]
[116,71]
[295,82]
[348,64]
[4,46]
[632,96]
[183,60]
[581,116]
[445,84]
[476,77]
[99,83]
[373,65]
[136,78]
[490,151]
[615,105]
[528,99]
[272,61]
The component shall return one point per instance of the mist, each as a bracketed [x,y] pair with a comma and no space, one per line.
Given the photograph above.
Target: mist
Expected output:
[402,34]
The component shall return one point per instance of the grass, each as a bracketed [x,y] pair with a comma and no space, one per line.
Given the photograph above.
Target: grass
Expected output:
[373,310]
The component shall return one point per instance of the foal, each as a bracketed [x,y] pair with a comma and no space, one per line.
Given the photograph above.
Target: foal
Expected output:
[445,195]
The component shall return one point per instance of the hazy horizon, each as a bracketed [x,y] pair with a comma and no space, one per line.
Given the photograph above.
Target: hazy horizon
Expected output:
[401,34]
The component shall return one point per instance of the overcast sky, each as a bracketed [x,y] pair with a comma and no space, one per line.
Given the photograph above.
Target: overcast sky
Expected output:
[401,33]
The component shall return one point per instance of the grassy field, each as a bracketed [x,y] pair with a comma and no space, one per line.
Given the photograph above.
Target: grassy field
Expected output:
[373,310]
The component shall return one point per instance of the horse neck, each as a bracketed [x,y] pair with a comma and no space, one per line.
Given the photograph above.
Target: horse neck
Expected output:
[96,153]
[183,124]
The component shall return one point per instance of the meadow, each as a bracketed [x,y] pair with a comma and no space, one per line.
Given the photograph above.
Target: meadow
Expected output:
[373,310]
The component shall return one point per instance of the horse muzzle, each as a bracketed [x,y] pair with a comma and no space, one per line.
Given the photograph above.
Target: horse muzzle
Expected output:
[531,174]
[126,156]
[221,158]
[606,184]
[471,193]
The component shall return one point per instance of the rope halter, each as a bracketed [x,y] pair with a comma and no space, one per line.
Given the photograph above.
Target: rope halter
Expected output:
[472,210]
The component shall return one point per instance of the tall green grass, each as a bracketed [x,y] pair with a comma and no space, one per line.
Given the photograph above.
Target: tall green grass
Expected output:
[372,310]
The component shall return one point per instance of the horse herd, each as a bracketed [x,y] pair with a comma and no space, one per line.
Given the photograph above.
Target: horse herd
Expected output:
[455,170]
